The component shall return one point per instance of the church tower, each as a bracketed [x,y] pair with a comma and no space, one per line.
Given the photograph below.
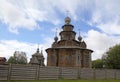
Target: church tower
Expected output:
[37,58]
[69,52]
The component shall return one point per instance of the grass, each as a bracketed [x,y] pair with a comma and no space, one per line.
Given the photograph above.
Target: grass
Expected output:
[65,80]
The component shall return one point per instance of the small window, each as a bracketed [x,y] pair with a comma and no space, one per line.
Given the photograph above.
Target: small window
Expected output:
[78,59]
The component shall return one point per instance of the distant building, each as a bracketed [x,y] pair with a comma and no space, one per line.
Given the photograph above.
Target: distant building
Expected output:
[2,60]
[37,58]
[69,52]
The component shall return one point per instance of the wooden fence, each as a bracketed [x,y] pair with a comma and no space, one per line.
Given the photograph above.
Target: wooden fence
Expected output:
[35,72]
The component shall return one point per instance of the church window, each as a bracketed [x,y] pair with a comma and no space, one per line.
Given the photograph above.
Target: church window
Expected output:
[52,59]
[78,59]
[86,59]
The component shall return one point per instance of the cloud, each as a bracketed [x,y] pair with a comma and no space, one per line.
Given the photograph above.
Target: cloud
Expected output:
[14,17]
[25,14]
[106,16]
[100,42]
[111,27]
[8,47]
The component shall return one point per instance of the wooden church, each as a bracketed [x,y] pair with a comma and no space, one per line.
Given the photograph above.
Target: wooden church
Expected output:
[69,52]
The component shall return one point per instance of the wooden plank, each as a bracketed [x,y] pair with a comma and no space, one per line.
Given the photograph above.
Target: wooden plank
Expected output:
[110,74]
[100,74]
[49,73]
[117,74]
[87,73]
[4,72]
[24,72]
[69,73]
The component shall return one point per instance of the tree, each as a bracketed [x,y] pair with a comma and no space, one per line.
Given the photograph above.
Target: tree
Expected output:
[112,59]
[18,58]
[12,60]
[97,63]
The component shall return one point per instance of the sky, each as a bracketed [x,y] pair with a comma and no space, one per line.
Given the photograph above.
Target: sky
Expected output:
[26,23]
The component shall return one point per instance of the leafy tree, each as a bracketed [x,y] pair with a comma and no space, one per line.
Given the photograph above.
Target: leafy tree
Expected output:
[18,58]
[97,63]
[12,60]
[112,59]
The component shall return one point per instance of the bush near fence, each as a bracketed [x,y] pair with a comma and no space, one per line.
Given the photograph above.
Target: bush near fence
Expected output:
[36,72]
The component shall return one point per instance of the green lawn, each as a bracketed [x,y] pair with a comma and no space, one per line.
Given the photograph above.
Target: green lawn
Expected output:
[67,81]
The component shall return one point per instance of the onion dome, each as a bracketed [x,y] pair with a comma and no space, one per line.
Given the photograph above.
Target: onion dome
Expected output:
[67,20]
[37,50]
[56,39]
[79,38]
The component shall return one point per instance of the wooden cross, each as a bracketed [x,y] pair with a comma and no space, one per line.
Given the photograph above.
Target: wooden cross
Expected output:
[56,31]
[79,31]
[67,12]
[38,45]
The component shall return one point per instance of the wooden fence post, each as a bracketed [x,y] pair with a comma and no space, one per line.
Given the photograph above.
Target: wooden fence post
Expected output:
[37,72]
[105,73]
[9,72]
[94,73]
[115,76]
[79,73]
[60,72]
